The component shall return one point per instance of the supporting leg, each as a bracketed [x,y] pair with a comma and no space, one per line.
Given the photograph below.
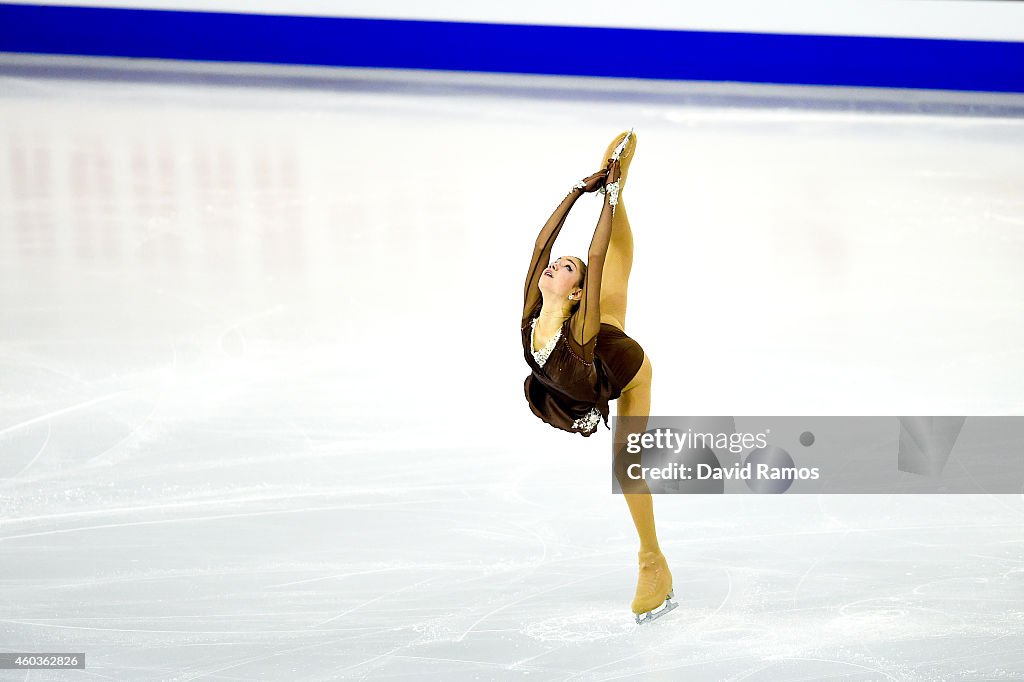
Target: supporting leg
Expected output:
[633,409]
[654,583]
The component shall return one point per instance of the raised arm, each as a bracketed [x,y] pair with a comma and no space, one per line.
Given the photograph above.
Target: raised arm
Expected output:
[586,321]
[546,239]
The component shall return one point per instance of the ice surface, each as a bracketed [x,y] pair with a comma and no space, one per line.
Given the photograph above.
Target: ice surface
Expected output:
[261,411]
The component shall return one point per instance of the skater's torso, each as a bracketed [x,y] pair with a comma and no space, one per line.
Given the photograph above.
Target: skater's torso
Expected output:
[564,389]
[558,362]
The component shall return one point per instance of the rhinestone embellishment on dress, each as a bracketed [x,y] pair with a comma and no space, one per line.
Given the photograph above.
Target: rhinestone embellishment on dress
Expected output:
[541,356]
[587,422]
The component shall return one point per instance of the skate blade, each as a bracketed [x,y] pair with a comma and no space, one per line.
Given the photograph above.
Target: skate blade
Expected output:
[657,613]
[622,145]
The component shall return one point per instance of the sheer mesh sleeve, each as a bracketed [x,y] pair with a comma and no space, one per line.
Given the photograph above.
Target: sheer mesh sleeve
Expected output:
[586,320]
[542,251]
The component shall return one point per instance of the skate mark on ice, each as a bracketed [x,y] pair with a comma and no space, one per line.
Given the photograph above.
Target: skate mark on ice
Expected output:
[49,428]
[225,501]
[585,626]
[488,664]
[688,628]
[748,673]
[254,659]
[136,428]
[336,576]
[189,519]
[389,593]
[655,649]
[64,410]
[303,631]
[800,582]
[528,596]
[840,662]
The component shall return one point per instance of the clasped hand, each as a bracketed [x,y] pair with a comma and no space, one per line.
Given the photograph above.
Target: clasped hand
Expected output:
[606,175]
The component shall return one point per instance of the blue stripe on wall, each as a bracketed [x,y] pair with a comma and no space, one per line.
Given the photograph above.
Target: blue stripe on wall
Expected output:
[558,50]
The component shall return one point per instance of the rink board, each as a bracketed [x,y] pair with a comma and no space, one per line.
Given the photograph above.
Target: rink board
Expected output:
[640,53]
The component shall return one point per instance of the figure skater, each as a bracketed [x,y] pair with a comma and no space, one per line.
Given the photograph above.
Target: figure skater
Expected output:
[574,339]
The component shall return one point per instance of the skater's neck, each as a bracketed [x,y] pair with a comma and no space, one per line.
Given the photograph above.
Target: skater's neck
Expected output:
[555,312]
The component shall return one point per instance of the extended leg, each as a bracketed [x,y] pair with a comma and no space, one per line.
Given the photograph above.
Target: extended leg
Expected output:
[619,260]
[617,265]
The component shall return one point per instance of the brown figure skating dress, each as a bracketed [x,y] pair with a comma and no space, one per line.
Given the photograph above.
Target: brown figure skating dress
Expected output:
[587,363]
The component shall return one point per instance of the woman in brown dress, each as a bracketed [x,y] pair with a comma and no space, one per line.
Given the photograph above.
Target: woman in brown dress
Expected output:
[574,340]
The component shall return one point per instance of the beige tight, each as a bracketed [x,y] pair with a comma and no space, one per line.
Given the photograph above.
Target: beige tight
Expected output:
[634,405]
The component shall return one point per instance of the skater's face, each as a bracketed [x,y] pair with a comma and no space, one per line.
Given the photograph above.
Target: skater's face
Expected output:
[563,278]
